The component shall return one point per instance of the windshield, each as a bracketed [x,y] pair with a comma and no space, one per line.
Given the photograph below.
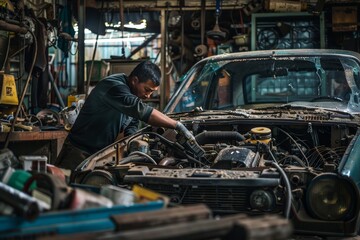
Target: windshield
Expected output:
[248,83]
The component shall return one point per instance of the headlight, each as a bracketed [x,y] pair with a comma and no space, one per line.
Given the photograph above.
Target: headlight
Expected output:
[330,197]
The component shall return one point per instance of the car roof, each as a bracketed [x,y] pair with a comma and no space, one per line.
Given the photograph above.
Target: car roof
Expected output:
[283,53]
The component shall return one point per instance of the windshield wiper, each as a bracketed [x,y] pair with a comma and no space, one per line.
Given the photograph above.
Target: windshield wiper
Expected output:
[286,106]
[334,113]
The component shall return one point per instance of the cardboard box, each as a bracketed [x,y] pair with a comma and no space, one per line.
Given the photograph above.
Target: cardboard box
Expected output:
[99,70]
[285,6]
[122,65]
[344,18]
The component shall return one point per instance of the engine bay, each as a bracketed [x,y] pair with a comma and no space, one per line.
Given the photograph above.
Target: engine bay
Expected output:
[242,146]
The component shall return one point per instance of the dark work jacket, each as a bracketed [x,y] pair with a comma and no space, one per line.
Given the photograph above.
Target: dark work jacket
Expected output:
[109,109]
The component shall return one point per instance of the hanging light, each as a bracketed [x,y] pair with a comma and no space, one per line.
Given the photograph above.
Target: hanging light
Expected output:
[115,40]
[136,25]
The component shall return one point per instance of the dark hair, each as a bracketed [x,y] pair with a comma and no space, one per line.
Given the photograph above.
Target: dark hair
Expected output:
[147,70]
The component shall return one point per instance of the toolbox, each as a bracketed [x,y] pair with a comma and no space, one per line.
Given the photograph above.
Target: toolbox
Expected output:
[69,222]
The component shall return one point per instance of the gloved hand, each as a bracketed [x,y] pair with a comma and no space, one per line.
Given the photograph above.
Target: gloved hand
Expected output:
[188,141]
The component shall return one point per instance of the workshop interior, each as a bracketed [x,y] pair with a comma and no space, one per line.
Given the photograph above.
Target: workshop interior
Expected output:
[276,170]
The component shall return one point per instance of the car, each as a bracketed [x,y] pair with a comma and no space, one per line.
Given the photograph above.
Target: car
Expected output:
[278,133]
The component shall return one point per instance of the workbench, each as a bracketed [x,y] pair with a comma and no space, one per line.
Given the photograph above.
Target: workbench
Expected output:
[45,143]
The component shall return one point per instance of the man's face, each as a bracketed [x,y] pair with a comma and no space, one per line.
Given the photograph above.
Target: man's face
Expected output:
[143,90]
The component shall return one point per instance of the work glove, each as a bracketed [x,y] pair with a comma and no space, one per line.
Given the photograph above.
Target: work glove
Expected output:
[188,141]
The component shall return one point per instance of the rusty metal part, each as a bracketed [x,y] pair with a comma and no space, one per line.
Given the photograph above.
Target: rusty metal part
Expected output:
[239,226]
[161,217]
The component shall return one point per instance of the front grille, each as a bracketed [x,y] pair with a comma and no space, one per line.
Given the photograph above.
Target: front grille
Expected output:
[223,191]
[229,199]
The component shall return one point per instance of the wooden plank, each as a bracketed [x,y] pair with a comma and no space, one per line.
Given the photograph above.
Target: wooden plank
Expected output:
[161,217]
[31,136]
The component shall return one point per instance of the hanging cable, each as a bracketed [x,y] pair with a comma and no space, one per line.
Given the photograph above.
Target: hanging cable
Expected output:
[242,22]
[286,182]
[182,37]
[122,26]
[297,145]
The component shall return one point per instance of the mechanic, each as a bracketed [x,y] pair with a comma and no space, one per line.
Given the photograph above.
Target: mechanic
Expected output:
[115,106]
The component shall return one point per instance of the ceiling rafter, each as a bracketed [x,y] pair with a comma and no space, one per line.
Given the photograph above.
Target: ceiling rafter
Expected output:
[173,4]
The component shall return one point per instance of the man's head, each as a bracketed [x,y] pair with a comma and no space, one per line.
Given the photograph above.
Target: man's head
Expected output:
[145,79]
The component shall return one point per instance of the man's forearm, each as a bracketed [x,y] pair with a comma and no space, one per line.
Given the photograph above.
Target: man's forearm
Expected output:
[159,119]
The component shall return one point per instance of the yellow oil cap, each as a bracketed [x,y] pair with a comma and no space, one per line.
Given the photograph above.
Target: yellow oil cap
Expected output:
[260,134]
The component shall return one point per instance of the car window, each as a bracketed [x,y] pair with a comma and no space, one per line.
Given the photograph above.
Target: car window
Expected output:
[242,83]
[220,94]
[290,87]
[196,89]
